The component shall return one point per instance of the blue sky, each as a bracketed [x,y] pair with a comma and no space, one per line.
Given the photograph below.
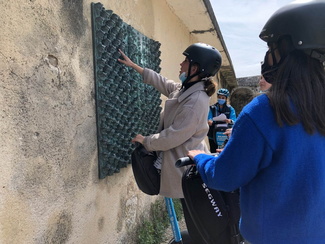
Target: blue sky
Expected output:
[240,22]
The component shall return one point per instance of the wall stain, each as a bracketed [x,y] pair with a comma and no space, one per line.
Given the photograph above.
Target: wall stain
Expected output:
[101,223]
[72,11]
[60,230]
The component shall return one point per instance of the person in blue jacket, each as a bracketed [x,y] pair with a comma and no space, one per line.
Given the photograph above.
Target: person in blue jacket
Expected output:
[217,109]
[276,152]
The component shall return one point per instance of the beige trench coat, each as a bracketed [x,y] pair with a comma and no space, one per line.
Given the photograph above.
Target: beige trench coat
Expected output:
[184,120]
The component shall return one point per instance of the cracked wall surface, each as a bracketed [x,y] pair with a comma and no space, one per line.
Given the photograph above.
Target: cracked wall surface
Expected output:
[49,186]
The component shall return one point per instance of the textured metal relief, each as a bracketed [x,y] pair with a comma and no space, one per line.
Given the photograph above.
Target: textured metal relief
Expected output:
[124,105]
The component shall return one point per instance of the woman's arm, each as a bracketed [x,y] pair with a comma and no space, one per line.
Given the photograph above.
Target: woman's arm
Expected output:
[181,130]
[245,154]
[232,115]
[210,117]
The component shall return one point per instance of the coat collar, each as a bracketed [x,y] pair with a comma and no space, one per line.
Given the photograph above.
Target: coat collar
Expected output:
[196,87]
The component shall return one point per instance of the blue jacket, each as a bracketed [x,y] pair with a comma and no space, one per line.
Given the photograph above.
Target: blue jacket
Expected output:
[281,174]
[228,110]
[230,115]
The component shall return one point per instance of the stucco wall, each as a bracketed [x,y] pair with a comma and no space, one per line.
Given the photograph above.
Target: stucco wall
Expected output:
[49,186]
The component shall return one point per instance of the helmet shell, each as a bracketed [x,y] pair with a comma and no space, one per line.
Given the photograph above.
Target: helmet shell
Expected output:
[303,22]
[223,92]
[206,56]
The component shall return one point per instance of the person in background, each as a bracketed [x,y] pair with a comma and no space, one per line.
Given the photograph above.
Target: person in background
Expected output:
[183,122]
[217,109]
[264,86]
[276,151]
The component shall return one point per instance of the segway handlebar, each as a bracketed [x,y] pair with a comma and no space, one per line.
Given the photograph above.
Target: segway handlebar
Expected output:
[181,162]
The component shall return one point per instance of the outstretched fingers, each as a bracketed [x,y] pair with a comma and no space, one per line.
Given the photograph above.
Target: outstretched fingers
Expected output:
[125,59]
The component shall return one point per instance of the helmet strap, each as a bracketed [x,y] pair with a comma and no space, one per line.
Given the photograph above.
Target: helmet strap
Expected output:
[189,77]
[272,52]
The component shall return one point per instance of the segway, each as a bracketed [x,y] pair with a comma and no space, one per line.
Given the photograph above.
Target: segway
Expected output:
[218,135]
[215,213]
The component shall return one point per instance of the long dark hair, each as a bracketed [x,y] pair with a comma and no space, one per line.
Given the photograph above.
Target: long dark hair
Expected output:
[298,94]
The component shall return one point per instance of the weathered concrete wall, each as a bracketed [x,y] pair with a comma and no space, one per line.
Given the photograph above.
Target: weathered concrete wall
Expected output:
[49,186]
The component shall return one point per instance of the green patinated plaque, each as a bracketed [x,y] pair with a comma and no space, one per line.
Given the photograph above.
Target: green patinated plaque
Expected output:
[124,105]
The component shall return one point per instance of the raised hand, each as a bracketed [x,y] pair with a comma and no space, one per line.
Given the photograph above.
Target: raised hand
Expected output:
[128,62]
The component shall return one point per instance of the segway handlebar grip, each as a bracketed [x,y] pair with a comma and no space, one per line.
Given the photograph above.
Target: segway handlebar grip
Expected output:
[188,161]
[183,162]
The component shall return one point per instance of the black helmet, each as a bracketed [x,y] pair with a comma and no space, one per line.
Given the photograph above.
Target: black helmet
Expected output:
[303,22]
[206,56]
